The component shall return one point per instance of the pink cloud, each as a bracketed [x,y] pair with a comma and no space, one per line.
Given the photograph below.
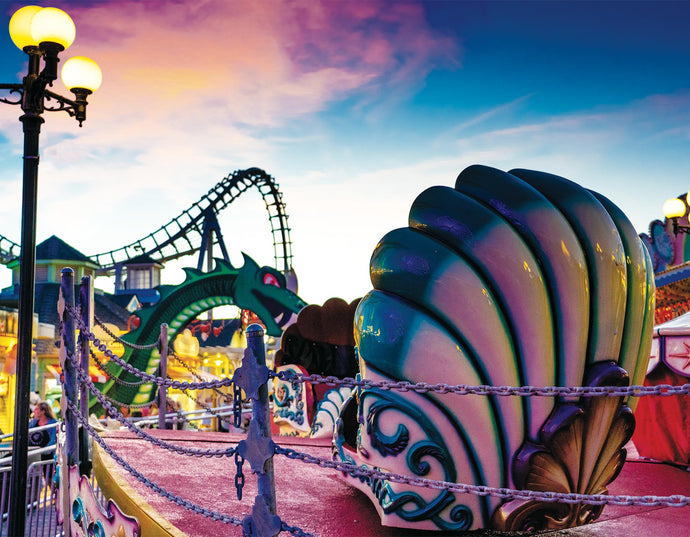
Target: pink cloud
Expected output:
[278,58]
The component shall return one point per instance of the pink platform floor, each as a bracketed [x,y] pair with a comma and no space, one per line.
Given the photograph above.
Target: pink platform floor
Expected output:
[317,501]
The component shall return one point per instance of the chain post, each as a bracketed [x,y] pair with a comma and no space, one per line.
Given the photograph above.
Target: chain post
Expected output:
[67,348]
[162,390]
[261,416]
[86,312]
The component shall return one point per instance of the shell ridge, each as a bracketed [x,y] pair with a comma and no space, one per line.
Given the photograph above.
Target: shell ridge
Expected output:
[562,261]
[467,238]
[597,233]
[636,266]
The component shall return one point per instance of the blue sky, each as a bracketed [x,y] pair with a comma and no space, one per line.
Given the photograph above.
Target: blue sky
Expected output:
[354,108]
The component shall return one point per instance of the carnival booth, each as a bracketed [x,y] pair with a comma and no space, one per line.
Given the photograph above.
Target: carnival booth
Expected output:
[663,423]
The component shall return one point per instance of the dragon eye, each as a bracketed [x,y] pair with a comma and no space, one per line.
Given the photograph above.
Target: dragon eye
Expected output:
[270,279]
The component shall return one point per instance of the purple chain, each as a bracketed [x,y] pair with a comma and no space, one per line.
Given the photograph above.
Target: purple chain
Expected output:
[676,500]
[101,367]
[195,452]
[405,386]
[215,515]
[297,532]
[201,404]
[463,389]
[117,338]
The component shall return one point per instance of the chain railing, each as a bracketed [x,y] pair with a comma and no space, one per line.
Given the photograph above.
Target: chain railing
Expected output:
[406,386]
[253,377]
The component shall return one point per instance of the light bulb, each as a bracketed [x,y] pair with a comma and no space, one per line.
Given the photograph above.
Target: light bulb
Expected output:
[53,25]
[81,72]
[20,26]
[674,208]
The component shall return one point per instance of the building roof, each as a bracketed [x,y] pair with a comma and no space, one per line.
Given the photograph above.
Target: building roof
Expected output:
[142,259]
[55,248]
[107,310]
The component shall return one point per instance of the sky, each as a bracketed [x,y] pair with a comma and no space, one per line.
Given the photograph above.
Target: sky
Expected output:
[354,108]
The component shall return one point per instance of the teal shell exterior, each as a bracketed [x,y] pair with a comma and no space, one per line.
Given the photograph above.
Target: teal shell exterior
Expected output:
[519,279]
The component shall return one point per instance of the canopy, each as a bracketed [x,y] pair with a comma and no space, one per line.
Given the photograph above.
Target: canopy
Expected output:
[671,345]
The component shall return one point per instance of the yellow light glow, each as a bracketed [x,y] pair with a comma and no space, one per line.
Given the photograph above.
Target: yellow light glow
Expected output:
[54,25]
[218,362]
[20,26]
[186,344]
[674,208]
[81,72]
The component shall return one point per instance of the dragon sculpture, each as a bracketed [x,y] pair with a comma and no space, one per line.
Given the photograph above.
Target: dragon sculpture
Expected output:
[262,290]
[509,279]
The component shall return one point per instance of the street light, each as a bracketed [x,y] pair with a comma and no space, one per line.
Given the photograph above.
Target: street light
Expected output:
[674,209]
[42,33]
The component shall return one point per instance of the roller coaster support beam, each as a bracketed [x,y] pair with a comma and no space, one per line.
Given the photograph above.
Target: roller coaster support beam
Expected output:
[210,227]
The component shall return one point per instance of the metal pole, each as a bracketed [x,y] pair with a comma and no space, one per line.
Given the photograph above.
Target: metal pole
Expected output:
[69,371]
[86,303]
[20,443]
[162,390]
[260,413]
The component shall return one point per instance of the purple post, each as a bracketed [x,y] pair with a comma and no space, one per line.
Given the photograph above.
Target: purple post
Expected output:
[162,390]
[258,448]
[68,369]
[86,303]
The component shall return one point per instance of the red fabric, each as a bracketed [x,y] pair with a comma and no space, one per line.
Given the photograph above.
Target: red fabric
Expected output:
[663,422]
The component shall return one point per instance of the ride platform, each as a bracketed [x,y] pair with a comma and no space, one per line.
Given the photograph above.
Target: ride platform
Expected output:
[316,500]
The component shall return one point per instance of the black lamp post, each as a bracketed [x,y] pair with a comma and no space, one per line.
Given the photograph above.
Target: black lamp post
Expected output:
[42,33]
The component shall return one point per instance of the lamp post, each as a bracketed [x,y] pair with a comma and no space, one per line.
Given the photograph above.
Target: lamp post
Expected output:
[42,33]
[675,209]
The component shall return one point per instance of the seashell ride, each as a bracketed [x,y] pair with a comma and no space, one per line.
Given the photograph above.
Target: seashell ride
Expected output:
[509,279]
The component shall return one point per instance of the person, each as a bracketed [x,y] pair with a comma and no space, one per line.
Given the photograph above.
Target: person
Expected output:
[42,415]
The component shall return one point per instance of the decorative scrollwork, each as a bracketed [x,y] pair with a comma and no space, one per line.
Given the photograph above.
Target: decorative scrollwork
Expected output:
[418,446]
[580,450]
[62,104]
[13,90]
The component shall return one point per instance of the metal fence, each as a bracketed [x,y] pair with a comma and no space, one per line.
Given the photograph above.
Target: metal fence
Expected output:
[41,520]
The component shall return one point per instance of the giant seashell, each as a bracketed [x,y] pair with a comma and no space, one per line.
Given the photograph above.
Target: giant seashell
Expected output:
[509,279]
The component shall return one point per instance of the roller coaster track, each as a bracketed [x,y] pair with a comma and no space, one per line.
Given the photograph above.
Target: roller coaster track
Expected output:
[9,250]
[183,235]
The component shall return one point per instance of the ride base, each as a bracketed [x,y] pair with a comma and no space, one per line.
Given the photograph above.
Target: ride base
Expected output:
[318,501]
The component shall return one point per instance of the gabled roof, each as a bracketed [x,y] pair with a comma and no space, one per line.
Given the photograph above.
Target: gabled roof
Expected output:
[142,259]
[55,248]
[107,310]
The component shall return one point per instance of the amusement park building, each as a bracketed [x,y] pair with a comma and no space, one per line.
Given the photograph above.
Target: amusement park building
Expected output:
[52,255]
[134,289]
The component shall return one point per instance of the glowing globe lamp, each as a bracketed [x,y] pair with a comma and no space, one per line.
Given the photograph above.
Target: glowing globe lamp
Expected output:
[674,208]
[20,27]
[53,25]
[81,73]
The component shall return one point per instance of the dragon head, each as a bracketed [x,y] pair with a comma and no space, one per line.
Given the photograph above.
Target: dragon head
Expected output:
[263,290]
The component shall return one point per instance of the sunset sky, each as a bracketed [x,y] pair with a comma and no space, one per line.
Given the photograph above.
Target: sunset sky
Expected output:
[354,107]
